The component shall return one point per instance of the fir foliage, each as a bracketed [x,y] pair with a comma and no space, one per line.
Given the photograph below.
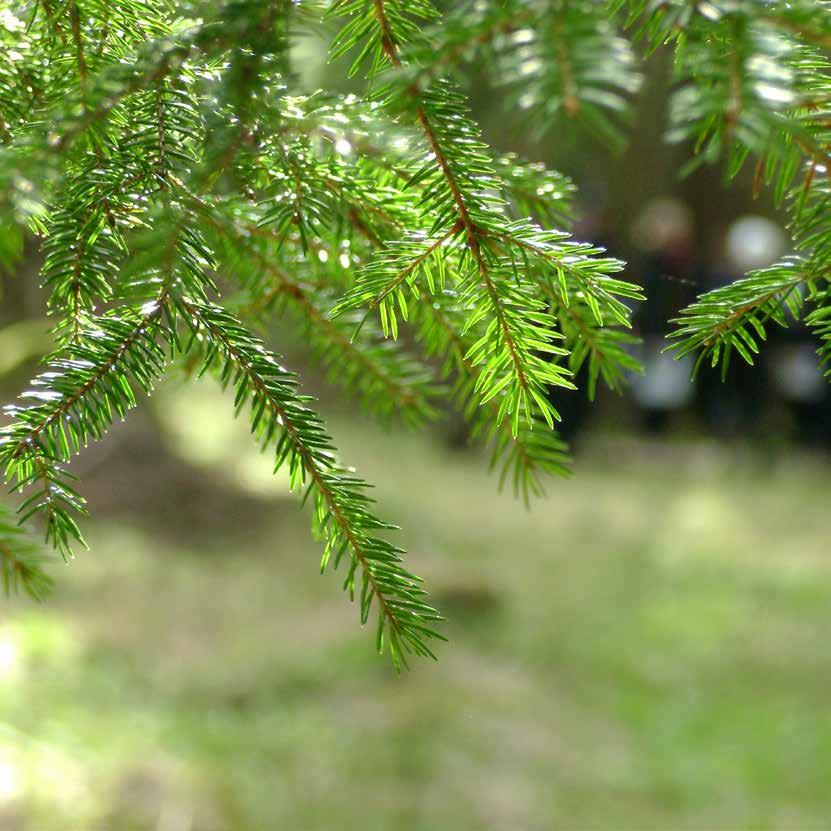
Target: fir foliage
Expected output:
[188,191]
[754,86]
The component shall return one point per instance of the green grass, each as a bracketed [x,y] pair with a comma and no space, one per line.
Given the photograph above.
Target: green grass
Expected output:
[646,649]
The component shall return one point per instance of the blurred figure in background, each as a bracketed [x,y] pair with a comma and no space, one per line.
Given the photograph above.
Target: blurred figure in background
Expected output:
[670,272]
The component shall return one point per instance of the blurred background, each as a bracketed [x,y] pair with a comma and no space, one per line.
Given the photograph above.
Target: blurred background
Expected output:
[646,648]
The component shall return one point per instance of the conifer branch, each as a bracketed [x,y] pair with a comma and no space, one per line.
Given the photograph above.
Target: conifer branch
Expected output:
[155,146]
[754,85]
[77,37]
[529,454]
[402,387]
[343,515]
[467,224]
[528,374]
[385,378]
[85,387]
[525,456]
[734,317]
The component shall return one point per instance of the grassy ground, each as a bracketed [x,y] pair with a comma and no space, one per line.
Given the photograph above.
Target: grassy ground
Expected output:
[646,649]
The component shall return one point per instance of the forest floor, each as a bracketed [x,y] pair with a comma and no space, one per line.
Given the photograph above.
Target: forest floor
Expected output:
[647,648]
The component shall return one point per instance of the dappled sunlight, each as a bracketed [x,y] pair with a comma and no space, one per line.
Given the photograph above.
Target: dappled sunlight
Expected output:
[68,755]
[39,768]
[10,781]
[199,424]
[9,655]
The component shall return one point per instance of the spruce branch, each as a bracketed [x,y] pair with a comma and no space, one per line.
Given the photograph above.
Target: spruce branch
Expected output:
[734,317]
[754,86]
[385,377]
[456,173]
[164,151]
[465,221]
[526,456]
[343,512]
[87,385]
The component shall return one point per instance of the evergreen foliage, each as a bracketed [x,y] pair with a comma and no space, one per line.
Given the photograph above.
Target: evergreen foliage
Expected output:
[186,189]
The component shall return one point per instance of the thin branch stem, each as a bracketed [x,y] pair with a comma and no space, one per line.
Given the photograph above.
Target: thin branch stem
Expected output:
[471,230]
[310,466]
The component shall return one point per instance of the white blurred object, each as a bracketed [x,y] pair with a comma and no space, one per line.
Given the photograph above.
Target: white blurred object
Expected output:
[754,242]
[665,383]
[664,223]
[10,784]
[797,373]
